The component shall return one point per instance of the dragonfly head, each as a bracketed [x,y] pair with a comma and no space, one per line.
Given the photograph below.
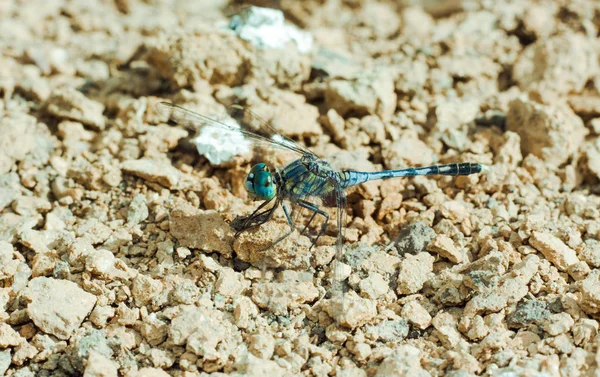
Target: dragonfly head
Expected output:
[260,182]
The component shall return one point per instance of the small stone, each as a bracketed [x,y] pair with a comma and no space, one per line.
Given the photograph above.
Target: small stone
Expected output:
[414,272]
[562,63]
[552,133]
[24,352]
[29,205]
[416,314]
[5,361]
[413,238]
[103,263]
[528,312]
[207,333]
[361,351]
[157,171]
[8,265]
[199,229]
[101,315]
[262,345]
[244,312]
[373,286]
[9,337]
[446,325]
[554,250]
[99,365]
[145,289]
[558,323]
[405,361]
[57,307]
[280,297]
[591,252]
[154,330]
[350,310]
[257,247]
[392,330]
[86,342]
[73,105]
[584,330]
[585,105]
[590,292]
[407,152]
[230,283]
[454,210]
[444,246]
[40,241]
[368,93]
[93,231]
[138,210]
[579,271]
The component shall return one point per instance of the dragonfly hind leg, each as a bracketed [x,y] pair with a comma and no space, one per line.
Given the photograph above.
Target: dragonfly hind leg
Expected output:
[316,211]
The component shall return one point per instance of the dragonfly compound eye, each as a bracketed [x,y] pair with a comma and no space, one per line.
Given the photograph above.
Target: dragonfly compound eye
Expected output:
[250,183]
[260,182]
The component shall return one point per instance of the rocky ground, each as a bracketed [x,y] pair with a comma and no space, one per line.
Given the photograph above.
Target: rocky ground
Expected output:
[117,257]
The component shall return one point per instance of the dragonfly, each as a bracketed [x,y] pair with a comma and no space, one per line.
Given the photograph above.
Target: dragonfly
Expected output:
[307,182]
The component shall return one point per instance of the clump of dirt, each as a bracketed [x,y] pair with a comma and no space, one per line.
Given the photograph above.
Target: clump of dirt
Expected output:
[117,254]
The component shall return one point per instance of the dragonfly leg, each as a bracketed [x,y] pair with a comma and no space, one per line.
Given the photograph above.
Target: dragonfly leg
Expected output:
[290,222]
[308,223]
[247,225]
[316,210]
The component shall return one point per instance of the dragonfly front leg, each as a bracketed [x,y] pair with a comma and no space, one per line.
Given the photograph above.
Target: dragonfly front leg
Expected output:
[247,224]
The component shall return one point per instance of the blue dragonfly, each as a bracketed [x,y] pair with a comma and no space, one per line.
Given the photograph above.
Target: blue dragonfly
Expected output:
[307,182]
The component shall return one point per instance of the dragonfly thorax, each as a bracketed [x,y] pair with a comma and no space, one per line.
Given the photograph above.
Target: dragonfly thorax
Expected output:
[260,182]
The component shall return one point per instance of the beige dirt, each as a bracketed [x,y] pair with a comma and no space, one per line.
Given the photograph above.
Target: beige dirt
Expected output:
[117,254]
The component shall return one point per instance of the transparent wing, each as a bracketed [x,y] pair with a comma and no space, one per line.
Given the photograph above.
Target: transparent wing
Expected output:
[255,124]
[337,285]
[249,125]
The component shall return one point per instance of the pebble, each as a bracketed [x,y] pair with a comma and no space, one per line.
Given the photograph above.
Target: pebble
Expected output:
[157,171]
[554,250]
[562,63]
[350,310]
[444,246]
[230,283]
[200,229]
[405,361]
[138,210]
[8,265]
[68,103]
[414,272]
[369,93]
[416,314]
[57,307]
[558,323]
[553,133]
[413,238]
[278,298]
[590,292]
[99,365]
[374,285]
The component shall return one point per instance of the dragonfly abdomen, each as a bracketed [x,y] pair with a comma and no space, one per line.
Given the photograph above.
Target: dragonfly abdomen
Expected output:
[350,178]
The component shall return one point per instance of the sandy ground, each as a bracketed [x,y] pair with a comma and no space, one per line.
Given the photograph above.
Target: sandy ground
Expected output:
[117,257]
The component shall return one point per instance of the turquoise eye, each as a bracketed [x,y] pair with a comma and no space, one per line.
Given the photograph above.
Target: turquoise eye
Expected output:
[249,183]
[260,182]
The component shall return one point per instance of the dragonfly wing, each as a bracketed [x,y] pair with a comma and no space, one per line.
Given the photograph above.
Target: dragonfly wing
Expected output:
[259,133]
[255,124]
[337,284]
